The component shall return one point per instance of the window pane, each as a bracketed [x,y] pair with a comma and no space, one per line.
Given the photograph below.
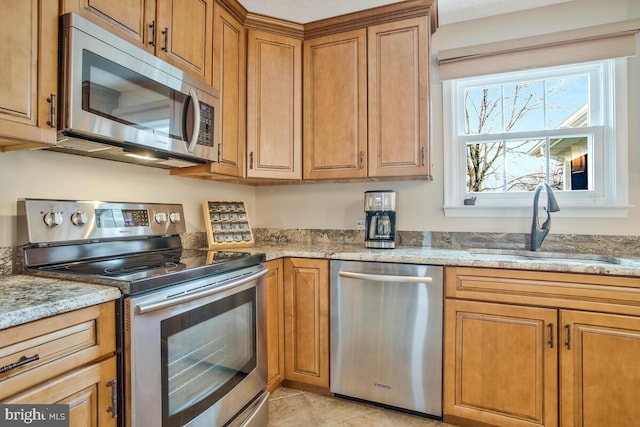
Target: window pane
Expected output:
[485,167]
[526,164]
[567,102]
[523,106]
[569,163]
[483,108]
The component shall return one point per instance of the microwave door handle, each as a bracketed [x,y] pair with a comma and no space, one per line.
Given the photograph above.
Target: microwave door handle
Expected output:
[191,147]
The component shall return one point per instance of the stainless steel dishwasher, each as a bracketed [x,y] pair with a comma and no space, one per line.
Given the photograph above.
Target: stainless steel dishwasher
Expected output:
[386,334]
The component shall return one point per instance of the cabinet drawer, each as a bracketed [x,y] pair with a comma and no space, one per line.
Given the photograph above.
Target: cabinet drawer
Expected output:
[88,391]
[591,292]
[40,350]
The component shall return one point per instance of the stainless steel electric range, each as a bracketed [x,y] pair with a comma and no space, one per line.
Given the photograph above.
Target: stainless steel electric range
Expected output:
[190,329]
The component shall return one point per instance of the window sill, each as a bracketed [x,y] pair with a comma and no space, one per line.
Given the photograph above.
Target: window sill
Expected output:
[494,211]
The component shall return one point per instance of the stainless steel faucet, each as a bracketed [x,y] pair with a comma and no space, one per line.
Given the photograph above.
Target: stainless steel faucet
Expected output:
[538,232]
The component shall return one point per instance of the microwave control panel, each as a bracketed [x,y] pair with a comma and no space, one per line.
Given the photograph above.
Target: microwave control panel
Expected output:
[206,125]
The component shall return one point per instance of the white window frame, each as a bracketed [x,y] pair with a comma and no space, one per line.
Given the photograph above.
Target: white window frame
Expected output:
[609,197]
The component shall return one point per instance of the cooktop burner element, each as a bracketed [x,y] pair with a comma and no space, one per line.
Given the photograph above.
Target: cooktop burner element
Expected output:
[135,246]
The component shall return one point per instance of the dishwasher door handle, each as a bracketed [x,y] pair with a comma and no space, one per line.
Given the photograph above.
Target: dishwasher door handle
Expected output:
[385,277]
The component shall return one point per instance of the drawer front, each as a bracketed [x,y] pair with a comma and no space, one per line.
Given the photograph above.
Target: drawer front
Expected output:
[88,391]
[40,350]
[591,292]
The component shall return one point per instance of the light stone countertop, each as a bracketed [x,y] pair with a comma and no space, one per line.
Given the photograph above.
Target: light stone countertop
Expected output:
[28,298]
[519,259]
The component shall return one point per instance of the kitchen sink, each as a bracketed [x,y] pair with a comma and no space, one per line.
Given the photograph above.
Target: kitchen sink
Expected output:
[525,255]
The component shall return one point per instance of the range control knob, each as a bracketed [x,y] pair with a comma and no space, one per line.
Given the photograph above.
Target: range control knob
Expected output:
[175,217]
[79,218]
[52,219]
[161,217]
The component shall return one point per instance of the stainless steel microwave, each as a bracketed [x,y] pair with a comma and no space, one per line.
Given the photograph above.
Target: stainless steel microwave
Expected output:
[122,103]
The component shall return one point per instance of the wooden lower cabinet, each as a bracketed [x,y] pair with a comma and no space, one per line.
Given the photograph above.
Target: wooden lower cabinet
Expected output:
[274,290]
[72,361]
[306,328]
[501,365]
[599,369]
[560,363]
[88,391]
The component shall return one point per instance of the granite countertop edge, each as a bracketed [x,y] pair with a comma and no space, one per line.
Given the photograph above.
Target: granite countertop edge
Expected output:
[27,298]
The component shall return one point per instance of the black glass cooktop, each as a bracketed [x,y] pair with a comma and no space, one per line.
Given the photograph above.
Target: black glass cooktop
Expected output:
[135,273]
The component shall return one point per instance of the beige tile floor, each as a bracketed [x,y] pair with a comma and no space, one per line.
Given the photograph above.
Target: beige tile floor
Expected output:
[290,408]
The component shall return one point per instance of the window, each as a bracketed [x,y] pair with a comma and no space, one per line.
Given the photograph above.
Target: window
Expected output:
[506,133]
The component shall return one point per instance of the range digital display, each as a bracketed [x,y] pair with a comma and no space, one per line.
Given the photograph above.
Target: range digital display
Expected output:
[119,218]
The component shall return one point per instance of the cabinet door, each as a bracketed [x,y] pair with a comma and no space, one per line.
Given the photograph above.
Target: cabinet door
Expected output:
[306,304]
[501,364]
[229,76]
[88,391]
[184,35]
[398,98]
[335,106]
[28,81]
[600,374]
[274,106]
[275,323]
[130,20]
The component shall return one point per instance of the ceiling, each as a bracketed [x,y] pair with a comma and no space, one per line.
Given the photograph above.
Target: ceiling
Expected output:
[450,11]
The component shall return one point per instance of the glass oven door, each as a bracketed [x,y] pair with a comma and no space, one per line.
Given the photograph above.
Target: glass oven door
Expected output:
[195,352]
[204,354]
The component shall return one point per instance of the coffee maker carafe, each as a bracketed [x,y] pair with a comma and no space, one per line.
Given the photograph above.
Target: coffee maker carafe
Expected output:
[380,210]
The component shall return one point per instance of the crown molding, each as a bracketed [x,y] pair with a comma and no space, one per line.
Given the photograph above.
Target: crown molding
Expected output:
[351,21]
[282,27]
[234,8]
[378,15]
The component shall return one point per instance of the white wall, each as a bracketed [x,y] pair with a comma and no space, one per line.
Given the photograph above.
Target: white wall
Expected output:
[44,174]
[339,206]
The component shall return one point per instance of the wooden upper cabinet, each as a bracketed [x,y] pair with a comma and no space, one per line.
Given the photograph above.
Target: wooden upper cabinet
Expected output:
[398,66]
[600,374]
[178,31]
[184,35]
[130,20]
[335,106]
[28,82]
[229,76]
[274,106]
[366,103]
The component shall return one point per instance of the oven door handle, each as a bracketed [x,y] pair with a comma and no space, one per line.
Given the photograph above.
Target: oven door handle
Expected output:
[154,306]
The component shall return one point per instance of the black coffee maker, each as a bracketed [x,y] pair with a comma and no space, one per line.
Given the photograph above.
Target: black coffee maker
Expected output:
[380,210]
